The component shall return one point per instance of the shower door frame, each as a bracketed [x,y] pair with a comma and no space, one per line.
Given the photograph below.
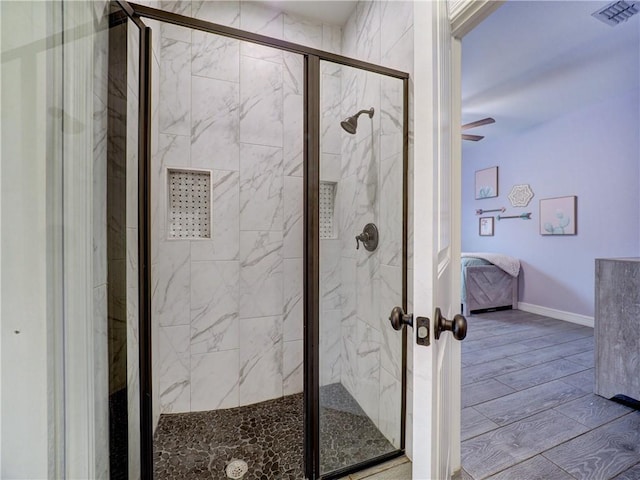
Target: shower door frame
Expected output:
[311,181]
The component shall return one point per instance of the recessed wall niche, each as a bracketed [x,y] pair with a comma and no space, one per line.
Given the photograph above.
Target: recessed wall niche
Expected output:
[327,201]
[188,203]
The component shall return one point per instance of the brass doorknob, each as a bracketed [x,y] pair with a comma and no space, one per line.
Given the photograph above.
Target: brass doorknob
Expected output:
[457,326]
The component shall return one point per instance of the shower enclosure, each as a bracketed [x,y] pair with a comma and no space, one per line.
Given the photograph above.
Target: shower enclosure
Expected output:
[272,233]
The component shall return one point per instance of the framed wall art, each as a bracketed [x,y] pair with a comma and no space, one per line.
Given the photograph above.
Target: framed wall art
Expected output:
[559,216]
[487,183]
[486,226]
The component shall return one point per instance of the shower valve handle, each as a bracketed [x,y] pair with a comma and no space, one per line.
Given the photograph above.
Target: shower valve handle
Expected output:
[363,237]
[368,237]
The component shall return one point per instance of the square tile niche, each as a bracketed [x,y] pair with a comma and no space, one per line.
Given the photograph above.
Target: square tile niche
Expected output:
[188,204]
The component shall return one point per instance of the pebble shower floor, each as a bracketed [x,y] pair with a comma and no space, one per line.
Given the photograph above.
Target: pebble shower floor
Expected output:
[268,436]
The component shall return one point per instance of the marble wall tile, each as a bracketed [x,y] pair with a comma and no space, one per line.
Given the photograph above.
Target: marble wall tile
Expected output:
[171,287]
[222,12]
[367,287]
[293,303]
[331,39]
[256,17]
[261,274]
[215,56]
[293,223]
[330,107]
[346,192]
[348,300]
[214,306]
[225,240]
[293,135]
[175,86]
[348,367]
[368,370]
[390,406]
[101,382]
[261,188]
[133,57]
[397,18]
[293,74]
[368,28]
[400,55]
[330,347]
[390,296]
[214,126]
[302,31]
[215,380]
[390,218]
[330,167]
[260,359]
[174,369]
[292,368]
[261,106]
[330,274]
[350,107]
[182,7]
[391,121]
[350,35]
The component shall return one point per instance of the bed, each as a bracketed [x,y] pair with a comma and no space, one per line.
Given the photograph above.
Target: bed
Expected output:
[489,281]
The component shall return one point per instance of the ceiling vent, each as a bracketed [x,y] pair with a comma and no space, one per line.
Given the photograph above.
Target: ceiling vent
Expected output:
[616,12]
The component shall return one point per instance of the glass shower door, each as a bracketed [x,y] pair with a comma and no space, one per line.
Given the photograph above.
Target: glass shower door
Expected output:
[361,266]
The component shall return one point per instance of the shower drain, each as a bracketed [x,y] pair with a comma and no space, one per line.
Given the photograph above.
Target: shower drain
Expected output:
[236,469]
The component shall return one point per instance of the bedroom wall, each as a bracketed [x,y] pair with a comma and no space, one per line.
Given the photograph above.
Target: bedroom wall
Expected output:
[591,153]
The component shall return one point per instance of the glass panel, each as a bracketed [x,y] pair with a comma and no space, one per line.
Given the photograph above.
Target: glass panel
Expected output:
[122,247]
[360,354]
[227,309]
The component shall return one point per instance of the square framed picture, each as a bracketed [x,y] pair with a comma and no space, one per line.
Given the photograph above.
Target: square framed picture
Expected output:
[487,183]
[486,226]
[559,216]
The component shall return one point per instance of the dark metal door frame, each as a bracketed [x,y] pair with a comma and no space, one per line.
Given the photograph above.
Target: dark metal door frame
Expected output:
[311,152]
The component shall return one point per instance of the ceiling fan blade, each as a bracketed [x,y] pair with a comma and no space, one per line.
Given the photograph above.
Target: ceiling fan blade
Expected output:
[478,123]
[473,138]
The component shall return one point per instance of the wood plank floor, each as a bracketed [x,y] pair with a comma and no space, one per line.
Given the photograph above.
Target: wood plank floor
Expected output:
[528,408]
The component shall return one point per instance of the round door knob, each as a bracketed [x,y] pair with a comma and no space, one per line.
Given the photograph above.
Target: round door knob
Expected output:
[457,326]
[398,318]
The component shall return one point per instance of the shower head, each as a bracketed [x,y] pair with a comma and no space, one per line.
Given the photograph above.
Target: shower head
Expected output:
[350,124]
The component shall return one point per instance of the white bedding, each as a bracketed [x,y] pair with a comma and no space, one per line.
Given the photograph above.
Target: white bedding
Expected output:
[509,264]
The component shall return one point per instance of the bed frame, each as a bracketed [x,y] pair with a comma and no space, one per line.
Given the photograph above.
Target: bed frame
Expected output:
[488,287]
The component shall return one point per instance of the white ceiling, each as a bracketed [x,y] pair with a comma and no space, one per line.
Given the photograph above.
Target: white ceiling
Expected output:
[334,12]
[530,62]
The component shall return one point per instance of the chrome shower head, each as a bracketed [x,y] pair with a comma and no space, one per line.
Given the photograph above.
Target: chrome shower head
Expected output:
[350,124]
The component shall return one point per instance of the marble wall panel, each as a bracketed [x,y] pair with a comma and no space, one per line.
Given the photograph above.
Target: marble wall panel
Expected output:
[293,223]
[261,274]
[214,126]
[175,369]
[292,367]
[293,303]
[175,86]
[214,306]
[261,188]
[225,234]
[261,105]
[261,359]
[215,380]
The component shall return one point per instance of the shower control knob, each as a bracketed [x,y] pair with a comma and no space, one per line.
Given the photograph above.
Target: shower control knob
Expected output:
[368,237]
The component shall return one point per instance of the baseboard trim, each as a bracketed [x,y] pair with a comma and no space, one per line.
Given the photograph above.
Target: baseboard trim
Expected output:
[557,314]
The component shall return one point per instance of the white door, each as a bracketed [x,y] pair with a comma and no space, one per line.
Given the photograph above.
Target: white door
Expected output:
[435,421]
[436,368]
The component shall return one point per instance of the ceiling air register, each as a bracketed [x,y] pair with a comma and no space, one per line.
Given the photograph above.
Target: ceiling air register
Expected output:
[616,12]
